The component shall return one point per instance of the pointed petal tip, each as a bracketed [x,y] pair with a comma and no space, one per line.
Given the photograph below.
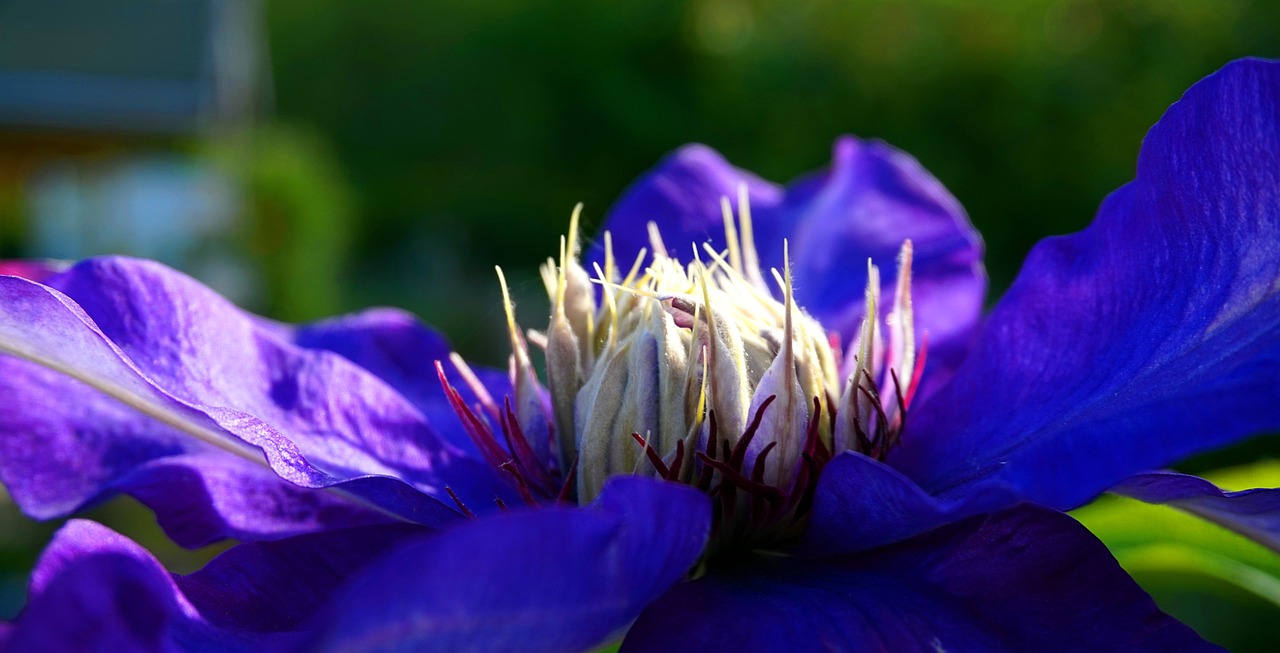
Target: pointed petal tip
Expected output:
[1167,300]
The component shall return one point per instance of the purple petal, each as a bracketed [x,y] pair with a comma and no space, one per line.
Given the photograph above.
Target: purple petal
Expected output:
[552,579]
[94,589]
[862,503]
[199,500]
[865,205]
[281,586]
[872,199]
[176,351]
[58,460]
[400,350]
[1151,335]
[1026,579]
[202,350]
[1252,513]
[682,195]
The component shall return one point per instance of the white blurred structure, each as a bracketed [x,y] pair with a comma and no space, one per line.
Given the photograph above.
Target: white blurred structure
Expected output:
[102,105]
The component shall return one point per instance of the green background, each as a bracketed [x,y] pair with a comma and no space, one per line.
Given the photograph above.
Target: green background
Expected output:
[467,130]
[411,146]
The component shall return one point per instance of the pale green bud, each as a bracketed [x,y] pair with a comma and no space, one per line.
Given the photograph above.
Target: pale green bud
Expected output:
[696,373]
[673,342]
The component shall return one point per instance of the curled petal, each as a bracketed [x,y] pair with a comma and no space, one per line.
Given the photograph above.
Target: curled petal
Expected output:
[554,579]
[1152,335]
[94,589]
[1025,579]
[1252,513]
[862,503]
[214,381]
[66,446]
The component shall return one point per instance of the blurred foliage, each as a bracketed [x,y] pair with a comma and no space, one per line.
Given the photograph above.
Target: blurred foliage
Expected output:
[300,211]
[470,129]
[1222,584]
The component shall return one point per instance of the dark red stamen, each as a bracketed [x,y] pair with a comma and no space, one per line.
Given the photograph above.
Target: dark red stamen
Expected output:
[479,433]
[736,477]
[811,469]
[759,503]
[773,513]
[863,440]
[813,442]
[654,458]
[518,444]
[740,452]
[892,438]
[728,500]
[533,477]
[461,506]
[523,487]
[569,490]
[815,457]
[757,470]
[677,462]
[882,421]
[705,476]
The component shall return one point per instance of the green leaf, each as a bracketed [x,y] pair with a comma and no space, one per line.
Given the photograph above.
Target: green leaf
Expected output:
[1223,584]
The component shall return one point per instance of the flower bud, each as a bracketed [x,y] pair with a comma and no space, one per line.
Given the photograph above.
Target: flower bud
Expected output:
[675,343]
[696,373]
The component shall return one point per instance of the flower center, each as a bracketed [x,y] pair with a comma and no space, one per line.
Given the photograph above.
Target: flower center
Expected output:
[698,373]
[671,345]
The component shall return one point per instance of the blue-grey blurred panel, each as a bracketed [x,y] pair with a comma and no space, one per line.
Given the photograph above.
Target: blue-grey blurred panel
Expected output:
[124,65]
[131,38]
[70,100]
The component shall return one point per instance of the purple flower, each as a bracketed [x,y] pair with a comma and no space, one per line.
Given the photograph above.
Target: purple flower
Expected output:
[866,494]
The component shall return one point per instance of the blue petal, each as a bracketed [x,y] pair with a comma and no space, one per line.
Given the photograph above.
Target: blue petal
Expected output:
[280,586]
[67,446]
[199,500]
[1026,579]
[862,503]
[95,590]
[1151,335]
[682,196]
[1252,513]
[872,199]
[555,579]
[174,350]
[865,205]
[400,350]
